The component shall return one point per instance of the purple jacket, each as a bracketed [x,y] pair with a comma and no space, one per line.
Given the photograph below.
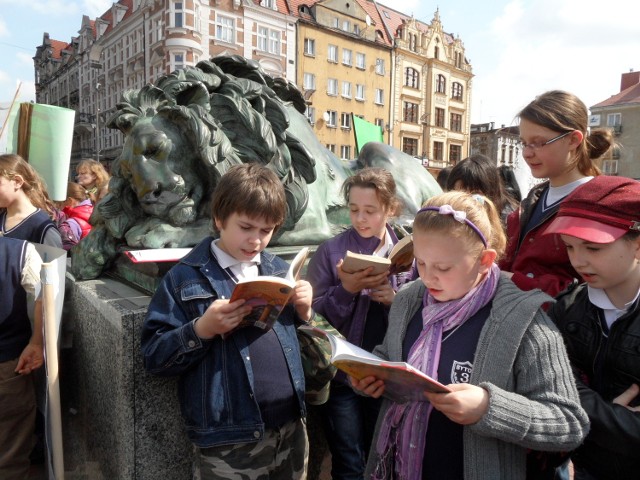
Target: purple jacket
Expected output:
[344,310]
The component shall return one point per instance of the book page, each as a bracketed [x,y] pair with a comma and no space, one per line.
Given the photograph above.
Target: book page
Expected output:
[297,264]
[354,262]
[157,254]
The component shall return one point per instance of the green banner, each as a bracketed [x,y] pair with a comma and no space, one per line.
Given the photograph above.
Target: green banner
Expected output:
[365,132]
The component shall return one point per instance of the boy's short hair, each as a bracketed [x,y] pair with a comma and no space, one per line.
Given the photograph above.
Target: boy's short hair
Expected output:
[250,189]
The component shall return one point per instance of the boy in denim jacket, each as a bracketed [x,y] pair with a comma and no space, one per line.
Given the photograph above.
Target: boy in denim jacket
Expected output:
[242,394]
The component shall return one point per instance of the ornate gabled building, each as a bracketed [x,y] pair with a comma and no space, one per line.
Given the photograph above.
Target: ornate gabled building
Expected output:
[621,113]
[431,91]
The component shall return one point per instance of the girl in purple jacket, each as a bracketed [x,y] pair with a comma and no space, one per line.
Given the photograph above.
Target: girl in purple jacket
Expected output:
[356,304]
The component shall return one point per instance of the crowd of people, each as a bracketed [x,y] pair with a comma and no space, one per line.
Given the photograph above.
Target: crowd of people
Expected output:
[524,306]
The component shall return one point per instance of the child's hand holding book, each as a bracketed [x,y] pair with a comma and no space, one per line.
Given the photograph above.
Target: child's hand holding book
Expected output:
[302,298]
[356,281]
[221,317]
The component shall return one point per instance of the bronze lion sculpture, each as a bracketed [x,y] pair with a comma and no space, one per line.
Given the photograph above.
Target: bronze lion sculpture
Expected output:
[185,131]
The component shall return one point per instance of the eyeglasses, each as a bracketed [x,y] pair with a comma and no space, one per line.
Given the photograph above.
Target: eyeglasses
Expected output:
[537,145]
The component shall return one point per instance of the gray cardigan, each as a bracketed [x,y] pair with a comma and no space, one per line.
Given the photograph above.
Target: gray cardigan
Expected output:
[522,362]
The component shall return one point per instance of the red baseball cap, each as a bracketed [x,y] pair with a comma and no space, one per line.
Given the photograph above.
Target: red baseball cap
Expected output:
[600,211]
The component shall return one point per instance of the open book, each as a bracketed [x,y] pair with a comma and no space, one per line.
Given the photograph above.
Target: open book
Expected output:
[156,254]
[400,259]
[403,383]
[268,295]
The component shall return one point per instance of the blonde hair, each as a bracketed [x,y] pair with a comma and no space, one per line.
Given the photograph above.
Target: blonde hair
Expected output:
[95,167]
[479,210]
[33,186]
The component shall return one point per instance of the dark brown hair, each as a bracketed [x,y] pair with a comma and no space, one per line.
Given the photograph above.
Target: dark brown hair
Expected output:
[477,174]
[33,185]
[250,189]
[564,112]
[381,181]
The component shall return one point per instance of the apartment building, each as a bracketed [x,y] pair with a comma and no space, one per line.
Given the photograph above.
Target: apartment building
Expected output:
[136,41]
[621,113]
[348,57]
[343,69]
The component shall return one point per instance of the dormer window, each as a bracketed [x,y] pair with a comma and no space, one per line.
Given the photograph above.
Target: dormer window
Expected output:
[271,4]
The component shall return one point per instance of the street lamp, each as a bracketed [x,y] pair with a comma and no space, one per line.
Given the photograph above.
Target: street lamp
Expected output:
[97,136]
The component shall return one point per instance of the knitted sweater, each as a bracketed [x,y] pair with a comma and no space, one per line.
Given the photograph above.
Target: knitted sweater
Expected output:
[522,362]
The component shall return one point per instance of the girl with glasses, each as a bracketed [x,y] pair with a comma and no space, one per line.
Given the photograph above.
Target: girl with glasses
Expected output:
[558,147]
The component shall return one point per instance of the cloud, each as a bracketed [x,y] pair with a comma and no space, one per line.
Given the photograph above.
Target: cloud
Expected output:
[542,45]
[4,31]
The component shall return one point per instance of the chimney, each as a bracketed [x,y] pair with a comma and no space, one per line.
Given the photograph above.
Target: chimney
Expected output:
[629,79]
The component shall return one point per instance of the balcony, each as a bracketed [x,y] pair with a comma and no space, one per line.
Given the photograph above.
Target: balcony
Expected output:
[85,122]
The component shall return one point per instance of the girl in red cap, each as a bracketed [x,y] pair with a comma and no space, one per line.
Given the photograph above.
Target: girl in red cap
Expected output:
[557,146]
[600,321]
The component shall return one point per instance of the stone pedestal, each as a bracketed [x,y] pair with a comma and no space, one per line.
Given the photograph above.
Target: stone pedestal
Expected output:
[119,422]
[117,417]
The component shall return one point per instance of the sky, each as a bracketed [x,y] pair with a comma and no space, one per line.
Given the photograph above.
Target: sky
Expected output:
[517,49]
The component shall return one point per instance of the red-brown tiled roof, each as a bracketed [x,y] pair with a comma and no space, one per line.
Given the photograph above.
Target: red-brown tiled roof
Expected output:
[367,5]
[629,96]
[57,47]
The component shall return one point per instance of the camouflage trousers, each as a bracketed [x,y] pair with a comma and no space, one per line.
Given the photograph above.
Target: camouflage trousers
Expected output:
[282,454]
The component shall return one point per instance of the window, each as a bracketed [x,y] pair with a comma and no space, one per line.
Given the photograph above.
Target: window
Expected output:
[331,147]
[309,81]
[177,15]
[359,92]
[360,61]
[225,29]
[356,29]
[347,57]
[346,89]
[439,117]
[458,60]
[332,86]
[436,53]
[413,42]
[310,47]
[410,112]
[311,114]
[336,22]
[614,119]
[268,40]
[379,96]
[411,77]
[345,152]
[456,91]
[345,120]
[441,84]
[379,66]
[455,153]
[332,54]
[346,25]
[379,122]
[177,61]
[438,150]
[332,117]
[610,167]
[269,4]
[455,122]
[410,146]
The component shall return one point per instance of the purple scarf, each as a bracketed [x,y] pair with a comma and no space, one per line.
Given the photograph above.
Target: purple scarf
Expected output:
[405,425]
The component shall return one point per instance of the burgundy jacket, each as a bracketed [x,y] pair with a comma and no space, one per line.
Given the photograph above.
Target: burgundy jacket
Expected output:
[537,261]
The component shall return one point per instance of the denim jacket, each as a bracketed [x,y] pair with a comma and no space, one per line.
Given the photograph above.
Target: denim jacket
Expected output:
[216,379]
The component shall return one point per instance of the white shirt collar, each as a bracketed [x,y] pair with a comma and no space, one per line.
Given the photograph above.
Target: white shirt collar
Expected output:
[385,249]
[599,298]
[227,261]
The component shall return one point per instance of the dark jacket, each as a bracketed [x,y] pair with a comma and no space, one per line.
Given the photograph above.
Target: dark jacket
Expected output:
[15,327]
[537,260]
[216,378]
[611,449]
